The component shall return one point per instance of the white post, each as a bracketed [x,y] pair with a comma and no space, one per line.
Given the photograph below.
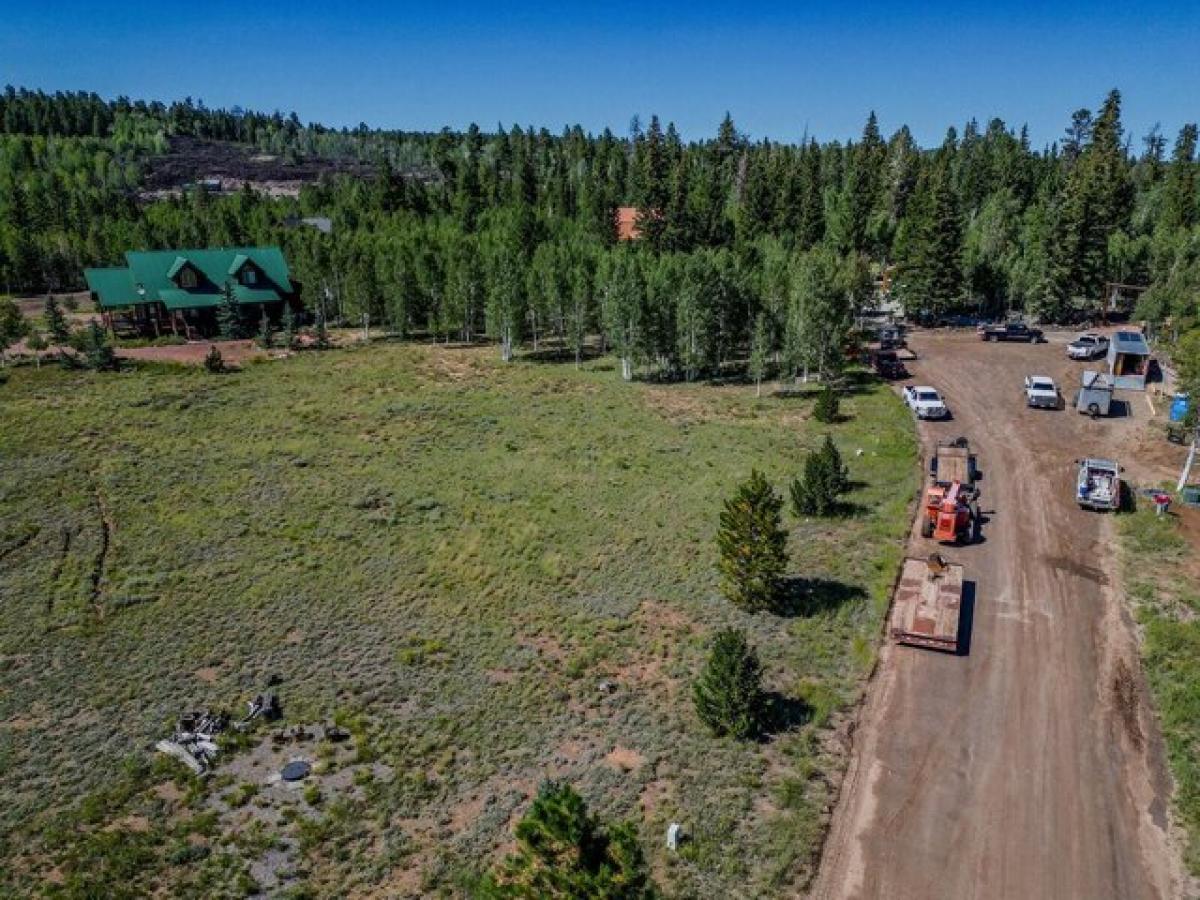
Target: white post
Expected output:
[1187,467]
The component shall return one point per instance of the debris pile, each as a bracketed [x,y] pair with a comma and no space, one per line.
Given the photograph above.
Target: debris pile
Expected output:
[194,740]
[264,706]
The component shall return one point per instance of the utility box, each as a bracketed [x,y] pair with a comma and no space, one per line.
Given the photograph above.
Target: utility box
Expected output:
[1095,395]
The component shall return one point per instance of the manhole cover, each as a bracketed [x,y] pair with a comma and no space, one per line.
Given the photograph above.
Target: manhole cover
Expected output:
[295,770]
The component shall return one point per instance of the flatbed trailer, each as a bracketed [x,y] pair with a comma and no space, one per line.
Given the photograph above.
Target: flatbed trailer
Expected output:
[927,604]
[953,461]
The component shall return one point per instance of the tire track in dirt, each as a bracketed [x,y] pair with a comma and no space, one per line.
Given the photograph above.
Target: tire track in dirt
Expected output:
[1011,772]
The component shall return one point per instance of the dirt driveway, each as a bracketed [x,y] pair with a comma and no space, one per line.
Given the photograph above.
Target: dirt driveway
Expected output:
[1031,767]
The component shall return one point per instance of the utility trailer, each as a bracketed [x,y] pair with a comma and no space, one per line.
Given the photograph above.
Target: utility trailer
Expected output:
[928,603]
[1095,394]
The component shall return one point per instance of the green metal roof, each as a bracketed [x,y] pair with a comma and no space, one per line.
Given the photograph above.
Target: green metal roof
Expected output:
[154,271]
[153,268]
[246,294]
[175,298]
[176,266]
[114,288]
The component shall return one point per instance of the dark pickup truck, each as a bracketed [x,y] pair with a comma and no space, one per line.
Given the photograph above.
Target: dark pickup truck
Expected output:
[1012,331]
[886,364]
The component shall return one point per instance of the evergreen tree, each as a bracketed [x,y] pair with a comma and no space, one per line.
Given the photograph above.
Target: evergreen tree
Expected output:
[13,326]
[810,226]
[229,315]
[1180,200]
[55,321]
[728,695]
[827,407]
[945,242]
[752,545]
[97,351]
[819,490]
[654,178]
[928,244]
[289,327]
[266,333]
[565,853]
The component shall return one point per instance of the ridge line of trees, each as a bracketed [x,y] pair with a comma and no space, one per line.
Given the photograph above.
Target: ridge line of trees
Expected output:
[513,234]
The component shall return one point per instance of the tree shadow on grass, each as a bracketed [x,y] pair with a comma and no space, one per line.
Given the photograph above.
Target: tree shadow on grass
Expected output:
[784,714]
[802,597]
[847,509]
[856,382]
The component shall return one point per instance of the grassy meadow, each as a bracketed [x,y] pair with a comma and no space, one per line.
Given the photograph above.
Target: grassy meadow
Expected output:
[1161,579]
[495,574]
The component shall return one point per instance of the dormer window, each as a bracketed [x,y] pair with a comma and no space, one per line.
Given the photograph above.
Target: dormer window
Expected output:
[187,278]
[249,276]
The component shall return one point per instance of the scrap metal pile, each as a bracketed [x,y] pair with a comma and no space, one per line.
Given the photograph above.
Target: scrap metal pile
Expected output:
[194,740]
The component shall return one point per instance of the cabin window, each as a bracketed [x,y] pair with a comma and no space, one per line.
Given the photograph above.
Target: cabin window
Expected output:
[187,279]
[249,276]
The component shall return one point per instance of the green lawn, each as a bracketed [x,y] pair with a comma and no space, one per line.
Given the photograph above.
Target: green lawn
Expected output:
[1160,579]
[505,572]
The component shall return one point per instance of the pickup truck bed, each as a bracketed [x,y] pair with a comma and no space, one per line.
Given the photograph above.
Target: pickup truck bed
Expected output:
[927,605]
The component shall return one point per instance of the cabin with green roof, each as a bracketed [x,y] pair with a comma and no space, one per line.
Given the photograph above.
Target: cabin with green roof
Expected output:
[180,290]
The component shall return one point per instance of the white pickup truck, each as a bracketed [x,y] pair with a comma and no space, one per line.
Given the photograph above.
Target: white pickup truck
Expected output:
[1041,392]
[926,402]
[1098,484]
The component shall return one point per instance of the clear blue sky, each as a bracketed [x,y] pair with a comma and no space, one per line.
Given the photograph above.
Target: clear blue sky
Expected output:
[779,68]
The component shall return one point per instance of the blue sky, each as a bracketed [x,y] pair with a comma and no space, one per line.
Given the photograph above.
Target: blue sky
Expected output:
[779,68]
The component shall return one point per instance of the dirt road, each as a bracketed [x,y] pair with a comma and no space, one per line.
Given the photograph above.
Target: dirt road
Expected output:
[1031,767]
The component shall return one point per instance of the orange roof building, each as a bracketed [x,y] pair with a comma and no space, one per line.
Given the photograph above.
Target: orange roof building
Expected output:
[627,227]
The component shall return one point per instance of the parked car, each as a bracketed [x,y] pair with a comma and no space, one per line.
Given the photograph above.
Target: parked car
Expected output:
[1098,484]
[1088,346]
[887,364]
[960,320]
[1041,392]
[891,337]
[926,402]
[1011,331]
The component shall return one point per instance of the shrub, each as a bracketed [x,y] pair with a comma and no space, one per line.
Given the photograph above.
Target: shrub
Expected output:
[97,351]
[818,491]
[213,361]
[752,545]
[564,852]
[827,406]
[37,344]
[728,694]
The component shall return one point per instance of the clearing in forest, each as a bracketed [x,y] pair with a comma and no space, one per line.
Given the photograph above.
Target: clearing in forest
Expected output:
[494,573]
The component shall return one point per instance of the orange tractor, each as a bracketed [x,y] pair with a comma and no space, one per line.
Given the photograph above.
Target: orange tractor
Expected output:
[951,514]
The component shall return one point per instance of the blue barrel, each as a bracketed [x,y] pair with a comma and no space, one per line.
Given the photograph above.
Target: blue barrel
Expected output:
[1179,407]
